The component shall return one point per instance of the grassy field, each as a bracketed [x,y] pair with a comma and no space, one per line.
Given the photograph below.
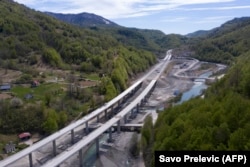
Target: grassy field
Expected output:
[40,91]
[92,76]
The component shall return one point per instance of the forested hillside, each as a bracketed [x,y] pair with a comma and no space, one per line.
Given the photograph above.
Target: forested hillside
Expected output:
[37,47]
[151,40]
[225,43]
[220,120]
[29,37]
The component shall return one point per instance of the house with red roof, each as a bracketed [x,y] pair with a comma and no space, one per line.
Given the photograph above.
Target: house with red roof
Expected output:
[24,136]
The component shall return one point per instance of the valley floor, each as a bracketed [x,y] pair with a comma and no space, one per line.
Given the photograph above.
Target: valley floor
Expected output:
[118,155]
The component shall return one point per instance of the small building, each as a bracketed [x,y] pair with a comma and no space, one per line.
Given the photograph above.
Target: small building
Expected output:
[28,96]
[34,84]
[9,148]
[5,87]
[24,136]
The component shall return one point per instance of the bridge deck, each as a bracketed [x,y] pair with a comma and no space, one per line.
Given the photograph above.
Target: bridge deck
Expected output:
[95,134]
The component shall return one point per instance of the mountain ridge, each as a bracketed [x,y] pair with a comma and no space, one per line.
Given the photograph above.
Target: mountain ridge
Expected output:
[83,19]
[228,26]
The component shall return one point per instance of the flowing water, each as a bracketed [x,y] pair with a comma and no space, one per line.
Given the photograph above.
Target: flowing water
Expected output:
[196,90]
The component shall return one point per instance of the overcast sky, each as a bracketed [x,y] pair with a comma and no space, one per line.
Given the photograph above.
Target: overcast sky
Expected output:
[169,16]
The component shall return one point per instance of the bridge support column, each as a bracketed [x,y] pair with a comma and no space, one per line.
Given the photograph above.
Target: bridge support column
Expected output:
[87,127]
[54,147]
[110,134]
[138,108]
[97,118]
[132,92]
[119,102]
[125,119]
[97,146]
[141,103]
[80,158]
[30,160]
[125,97]
[133,111]
[106,117]
[72,136]
[119,126]
[112,111]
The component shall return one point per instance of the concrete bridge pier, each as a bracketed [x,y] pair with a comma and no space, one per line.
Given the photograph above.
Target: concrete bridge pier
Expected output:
[143,101]
[138,108]
[106,115]
[72,136]
[98,118]
[110,134]
[131,112]
[81,158]
[119,102]
[133,92]
[86,127]
[125,119]
[97,146]
[119,126]
[30,160]
[112,111]
[54,147]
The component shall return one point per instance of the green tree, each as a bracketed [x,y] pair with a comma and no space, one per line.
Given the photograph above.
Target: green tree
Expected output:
[52,57]
[51,122]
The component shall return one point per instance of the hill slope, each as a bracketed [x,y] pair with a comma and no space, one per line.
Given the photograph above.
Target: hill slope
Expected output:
[29,37]
[83,19]
[224,43]
[152,40]
[38,47]
[220,121]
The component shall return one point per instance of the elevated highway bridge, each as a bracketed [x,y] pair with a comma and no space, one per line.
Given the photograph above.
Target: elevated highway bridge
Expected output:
[85,121]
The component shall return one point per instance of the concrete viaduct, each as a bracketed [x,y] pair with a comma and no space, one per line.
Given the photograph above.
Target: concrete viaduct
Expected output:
[103,111]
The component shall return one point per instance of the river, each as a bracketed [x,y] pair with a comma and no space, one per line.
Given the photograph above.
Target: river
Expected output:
[197,88]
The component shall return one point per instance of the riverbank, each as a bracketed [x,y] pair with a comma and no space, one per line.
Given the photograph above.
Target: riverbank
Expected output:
[163,93]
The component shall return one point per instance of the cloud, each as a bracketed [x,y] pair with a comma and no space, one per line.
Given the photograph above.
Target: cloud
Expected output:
[216,19]
[113,8]
[177,19]
[216,8]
